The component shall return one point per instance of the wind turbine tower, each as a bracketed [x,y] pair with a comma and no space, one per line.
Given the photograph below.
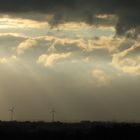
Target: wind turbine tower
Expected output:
[53,115]
[12,113]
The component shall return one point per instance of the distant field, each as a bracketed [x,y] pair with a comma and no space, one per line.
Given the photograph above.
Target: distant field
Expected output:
[83,130]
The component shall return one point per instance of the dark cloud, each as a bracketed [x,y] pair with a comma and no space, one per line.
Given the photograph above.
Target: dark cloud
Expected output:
[80,10]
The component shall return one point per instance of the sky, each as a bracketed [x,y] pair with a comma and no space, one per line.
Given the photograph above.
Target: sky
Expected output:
[80,57]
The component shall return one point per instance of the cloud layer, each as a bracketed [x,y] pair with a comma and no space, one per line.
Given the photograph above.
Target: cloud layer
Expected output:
[89,11]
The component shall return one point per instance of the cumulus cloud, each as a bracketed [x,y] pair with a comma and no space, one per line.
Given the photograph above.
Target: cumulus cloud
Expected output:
[98,48]
[110,43]
[50,60]
[5,60]
[128,60]
[66,44]
[101,77]
[27,44]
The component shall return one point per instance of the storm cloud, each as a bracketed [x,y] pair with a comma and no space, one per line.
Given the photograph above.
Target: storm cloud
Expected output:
[126,12]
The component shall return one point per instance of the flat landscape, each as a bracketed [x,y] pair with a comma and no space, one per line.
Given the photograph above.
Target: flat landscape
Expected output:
[58,130]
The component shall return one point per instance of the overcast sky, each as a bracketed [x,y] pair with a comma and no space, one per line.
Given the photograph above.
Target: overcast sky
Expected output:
[81,57]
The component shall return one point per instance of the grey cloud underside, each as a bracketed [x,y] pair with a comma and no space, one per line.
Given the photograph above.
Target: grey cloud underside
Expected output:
[127,11]
[8,44]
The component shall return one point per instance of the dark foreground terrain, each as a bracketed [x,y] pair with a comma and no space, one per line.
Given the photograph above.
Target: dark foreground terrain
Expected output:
[58,130]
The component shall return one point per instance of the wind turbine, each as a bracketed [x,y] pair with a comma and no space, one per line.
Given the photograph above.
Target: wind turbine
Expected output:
[12,113]
[53,115]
